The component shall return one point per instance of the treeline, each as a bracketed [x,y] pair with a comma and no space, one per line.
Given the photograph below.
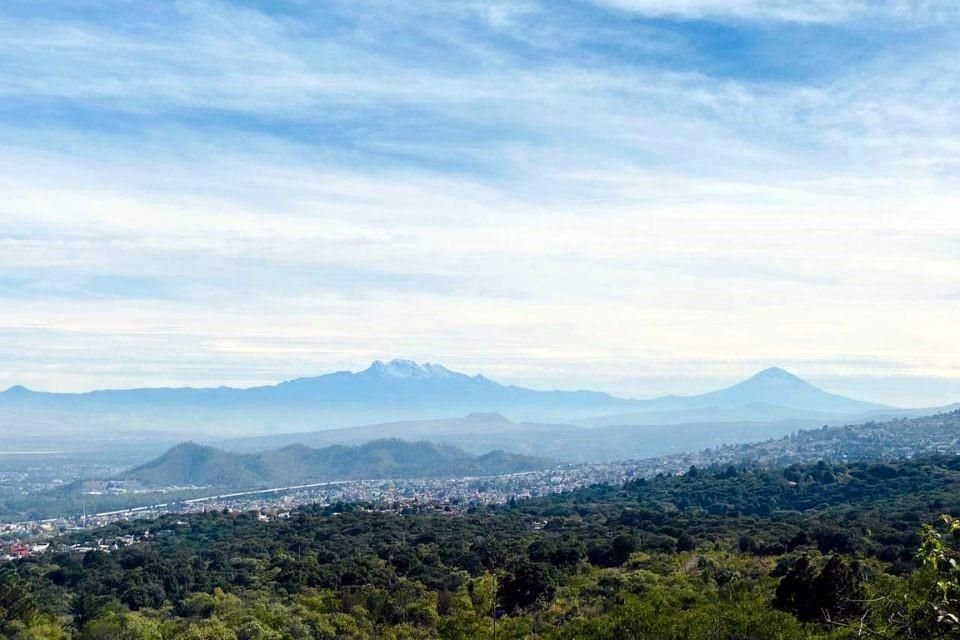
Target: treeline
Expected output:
[808,551]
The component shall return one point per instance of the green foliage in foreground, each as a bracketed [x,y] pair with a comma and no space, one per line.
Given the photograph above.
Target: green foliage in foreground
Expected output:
[810,551]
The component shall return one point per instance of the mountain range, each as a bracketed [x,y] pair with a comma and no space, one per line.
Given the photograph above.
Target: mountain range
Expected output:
[424,396]
[396,390]
[193,464]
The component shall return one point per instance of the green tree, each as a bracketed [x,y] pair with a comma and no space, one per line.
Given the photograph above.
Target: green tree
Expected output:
[16,601]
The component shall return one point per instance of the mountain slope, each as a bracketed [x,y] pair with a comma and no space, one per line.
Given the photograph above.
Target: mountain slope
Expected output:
[190,464]
[398,390]
[775,386]
[193,464]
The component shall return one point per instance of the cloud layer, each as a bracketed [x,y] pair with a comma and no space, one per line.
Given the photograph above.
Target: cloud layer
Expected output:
[627,194]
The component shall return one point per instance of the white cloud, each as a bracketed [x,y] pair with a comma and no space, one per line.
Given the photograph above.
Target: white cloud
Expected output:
[555,221]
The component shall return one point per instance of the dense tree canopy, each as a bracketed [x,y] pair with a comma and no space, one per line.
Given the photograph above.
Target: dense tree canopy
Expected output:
[821,550]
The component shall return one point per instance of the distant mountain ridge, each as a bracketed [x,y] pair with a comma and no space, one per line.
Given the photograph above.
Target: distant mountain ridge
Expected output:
[399,390]
[193,464]
[477,433]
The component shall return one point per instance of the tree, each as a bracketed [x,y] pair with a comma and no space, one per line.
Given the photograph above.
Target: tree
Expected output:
[832,593]
[941,554]
[16,601]
[121,626]
[621,547]
[85,607]
[526,585]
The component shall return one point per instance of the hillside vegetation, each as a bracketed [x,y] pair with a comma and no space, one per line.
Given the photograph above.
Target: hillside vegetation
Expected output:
[819,550]
[196,465]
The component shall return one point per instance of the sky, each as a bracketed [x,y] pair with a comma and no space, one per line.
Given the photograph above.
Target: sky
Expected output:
[637,196]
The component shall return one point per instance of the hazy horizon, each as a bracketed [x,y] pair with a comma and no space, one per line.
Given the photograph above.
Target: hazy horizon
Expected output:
[633,196]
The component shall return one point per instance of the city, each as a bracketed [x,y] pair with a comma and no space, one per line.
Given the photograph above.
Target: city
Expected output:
[451,496]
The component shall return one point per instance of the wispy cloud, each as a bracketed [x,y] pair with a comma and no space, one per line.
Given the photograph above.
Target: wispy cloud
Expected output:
[798,11]
[787,10]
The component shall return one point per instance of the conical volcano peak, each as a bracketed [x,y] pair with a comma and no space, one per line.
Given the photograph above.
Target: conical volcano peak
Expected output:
[776,374]
[776,386]
[17,390]
[773,385]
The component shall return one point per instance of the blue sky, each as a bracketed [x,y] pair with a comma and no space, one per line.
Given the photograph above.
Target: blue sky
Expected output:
[640,196]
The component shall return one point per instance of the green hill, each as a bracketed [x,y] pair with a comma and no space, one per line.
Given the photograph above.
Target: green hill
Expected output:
[198,465]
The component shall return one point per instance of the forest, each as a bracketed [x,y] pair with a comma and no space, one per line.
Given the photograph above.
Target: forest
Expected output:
[824,550]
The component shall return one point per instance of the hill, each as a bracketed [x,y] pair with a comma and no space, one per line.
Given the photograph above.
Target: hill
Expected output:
[896,439]
[900,438]
[198,465]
